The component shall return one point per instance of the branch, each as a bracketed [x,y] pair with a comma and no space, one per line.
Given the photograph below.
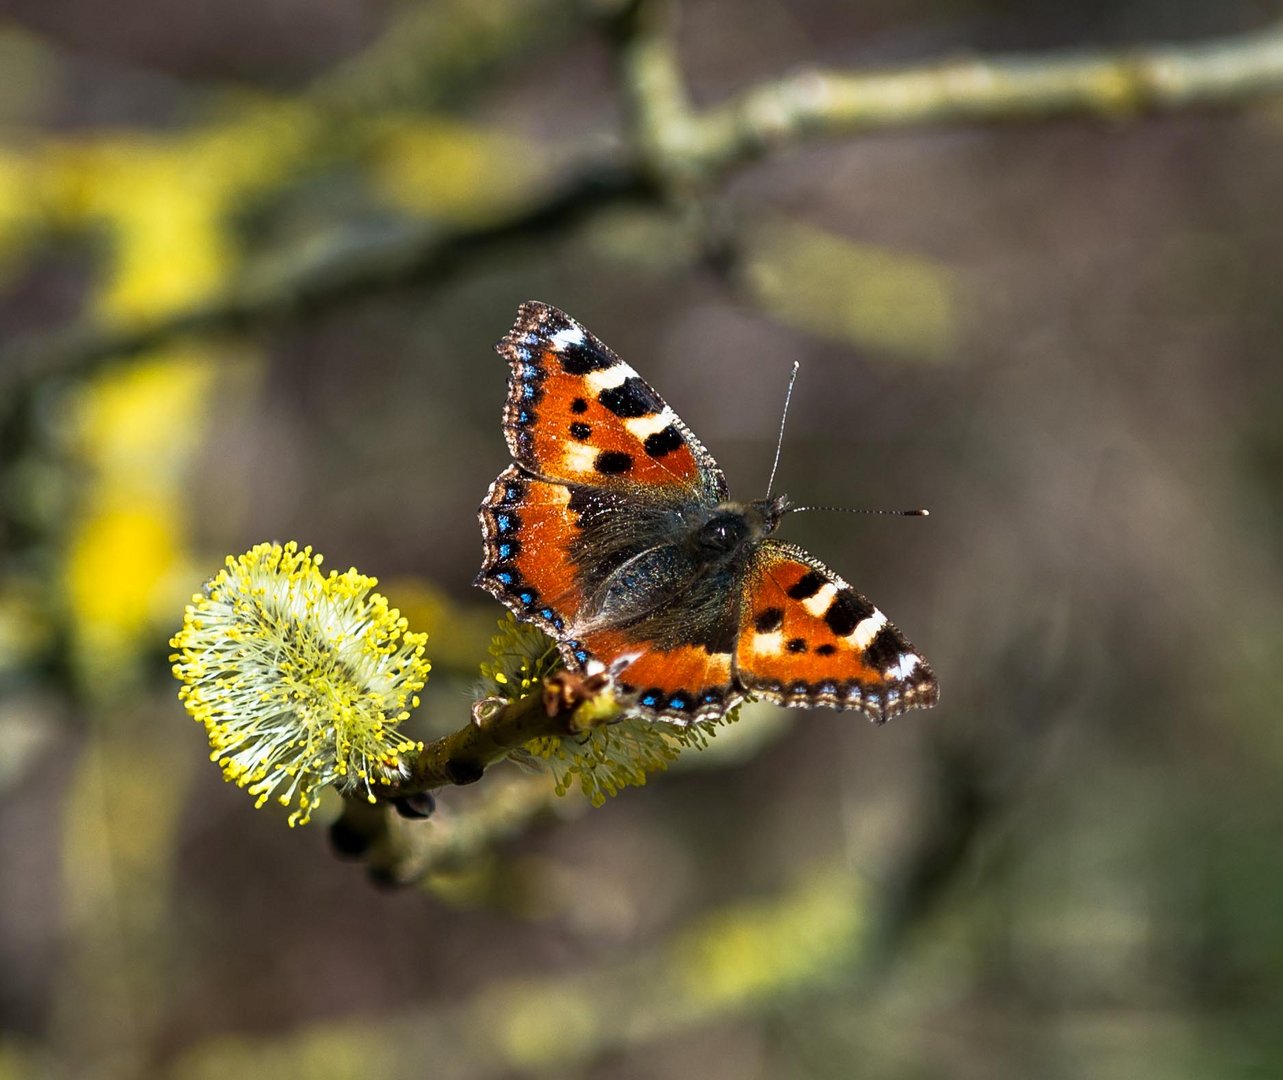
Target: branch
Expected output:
[565,704]
[1108,85]
[348,272]
[399,851]
[674,143]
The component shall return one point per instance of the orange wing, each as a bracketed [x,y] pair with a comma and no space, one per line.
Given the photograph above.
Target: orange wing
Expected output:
[808,638]
[578,414]
[528,527]
[683,684]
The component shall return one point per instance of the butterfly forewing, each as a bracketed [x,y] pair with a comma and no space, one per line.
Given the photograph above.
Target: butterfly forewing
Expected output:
[576,413]
[528,527]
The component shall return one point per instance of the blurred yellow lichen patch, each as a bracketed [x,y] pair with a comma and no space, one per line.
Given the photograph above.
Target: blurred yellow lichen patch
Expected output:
[139,423]
[739,957]
[756,950]
[854,292]
[540,1024]
[119,558]
[20,1059]
[453,172]
[122,813]
[127,564]
[165,207]
[164,194]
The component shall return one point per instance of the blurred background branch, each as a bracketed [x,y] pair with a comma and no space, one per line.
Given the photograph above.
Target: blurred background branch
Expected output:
[318,283]
[672,143]
[1106,85]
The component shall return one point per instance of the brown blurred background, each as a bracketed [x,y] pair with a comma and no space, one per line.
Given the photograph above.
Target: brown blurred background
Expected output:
[1063,337]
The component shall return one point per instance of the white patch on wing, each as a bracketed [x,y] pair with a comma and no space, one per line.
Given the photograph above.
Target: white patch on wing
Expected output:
[866,630]
[768,644]
[608,378]
[903,668]
[818,604]
[578,458]
[719,667]
[645,426]
[572,335]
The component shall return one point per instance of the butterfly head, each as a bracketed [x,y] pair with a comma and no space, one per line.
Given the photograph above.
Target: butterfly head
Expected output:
[733,526]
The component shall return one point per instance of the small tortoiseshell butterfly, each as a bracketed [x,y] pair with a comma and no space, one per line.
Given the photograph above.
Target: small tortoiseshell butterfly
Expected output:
[612,533]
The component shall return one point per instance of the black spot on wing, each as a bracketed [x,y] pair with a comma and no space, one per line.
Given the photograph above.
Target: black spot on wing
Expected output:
[579,405]
[613,462]
[796,645]
[769,620]
[631,398]
[581,357]
[807,586]
[580,430]
[884,650]
[663,442]
[846,612]
[826,649]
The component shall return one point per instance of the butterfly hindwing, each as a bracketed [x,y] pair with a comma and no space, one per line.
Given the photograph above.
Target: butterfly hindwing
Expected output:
[683,683]
[808,638]
[578,414]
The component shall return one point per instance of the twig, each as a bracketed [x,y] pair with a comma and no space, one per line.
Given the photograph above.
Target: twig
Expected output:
[1106,85]
[399,852]
[406,852]
[565,704]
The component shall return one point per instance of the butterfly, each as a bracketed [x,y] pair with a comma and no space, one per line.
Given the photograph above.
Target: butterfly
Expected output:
[612,532]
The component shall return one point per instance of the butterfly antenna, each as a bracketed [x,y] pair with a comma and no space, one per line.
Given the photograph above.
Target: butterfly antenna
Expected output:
[779,443]
[851,510]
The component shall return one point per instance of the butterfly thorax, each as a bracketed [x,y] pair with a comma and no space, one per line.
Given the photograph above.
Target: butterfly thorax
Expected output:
[733,526]
[669,572]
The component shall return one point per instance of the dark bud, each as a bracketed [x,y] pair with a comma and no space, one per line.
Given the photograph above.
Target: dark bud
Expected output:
[415,807]
[464,772]
[347,841]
